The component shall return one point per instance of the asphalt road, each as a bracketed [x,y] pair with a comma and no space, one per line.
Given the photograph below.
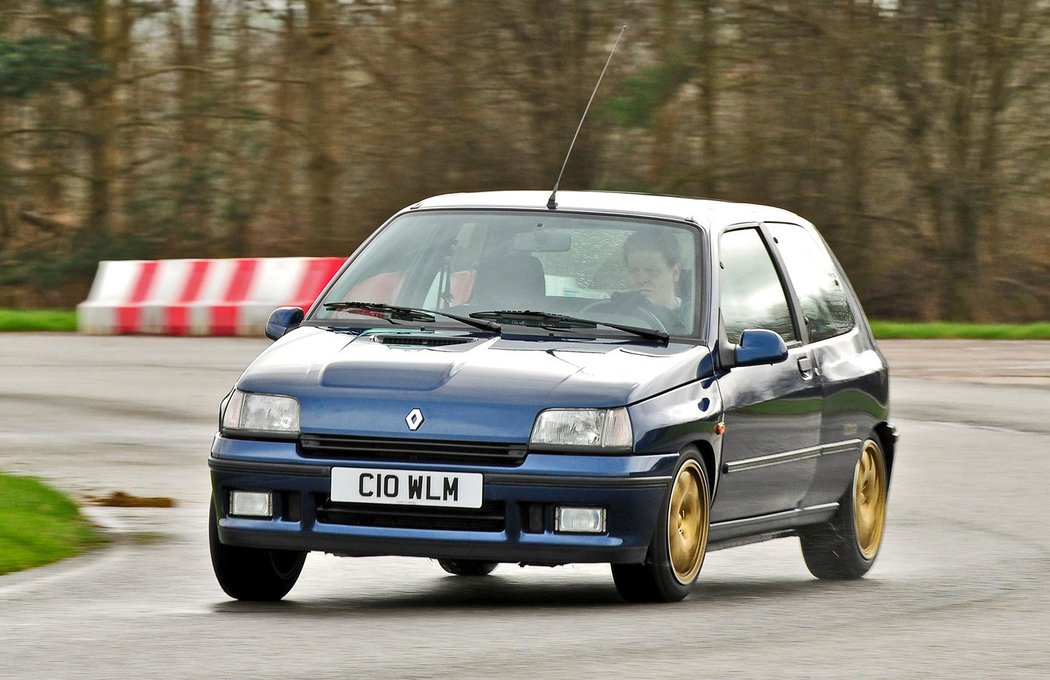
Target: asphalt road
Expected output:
[960,589]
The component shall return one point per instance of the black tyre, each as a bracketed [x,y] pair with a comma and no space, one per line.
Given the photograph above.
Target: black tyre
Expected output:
[679,543]
[252,573]
[467,567]
[845,547]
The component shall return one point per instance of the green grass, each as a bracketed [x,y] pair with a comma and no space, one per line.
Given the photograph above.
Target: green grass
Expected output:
[63,321]
[948,329]
[37,320]
[39,525]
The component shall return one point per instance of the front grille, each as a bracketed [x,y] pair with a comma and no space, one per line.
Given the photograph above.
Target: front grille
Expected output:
[411,450]
[491,516]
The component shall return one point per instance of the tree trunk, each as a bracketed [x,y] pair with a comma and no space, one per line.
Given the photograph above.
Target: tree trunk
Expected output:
[239,185]
[707,59]
[277,180]
[6,228]
[99,100]
[322,167]
[662,154]
[195,183]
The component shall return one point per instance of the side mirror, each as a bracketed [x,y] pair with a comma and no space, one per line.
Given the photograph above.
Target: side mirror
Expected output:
[282,320]
[759,346]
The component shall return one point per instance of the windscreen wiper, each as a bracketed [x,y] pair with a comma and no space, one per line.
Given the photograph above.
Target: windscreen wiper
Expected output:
[398,313]
[551,321]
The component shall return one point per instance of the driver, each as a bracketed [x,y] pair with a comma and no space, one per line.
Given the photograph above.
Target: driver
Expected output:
[653,268]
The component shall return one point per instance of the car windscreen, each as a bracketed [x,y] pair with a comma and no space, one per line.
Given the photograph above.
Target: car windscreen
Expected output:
[623,270]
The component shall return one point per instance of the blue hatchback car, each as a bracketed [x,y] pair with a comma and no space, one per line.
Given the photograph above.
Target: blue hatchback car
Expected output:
[627,379]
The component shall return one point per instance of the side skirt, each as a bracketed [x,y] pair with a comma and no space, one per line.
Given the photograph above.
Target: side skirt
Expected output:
[748,540]
[765,527]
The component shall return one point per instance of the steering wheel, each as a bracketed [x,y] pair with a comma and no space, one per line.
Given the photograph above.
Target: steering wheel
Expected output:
[631,304]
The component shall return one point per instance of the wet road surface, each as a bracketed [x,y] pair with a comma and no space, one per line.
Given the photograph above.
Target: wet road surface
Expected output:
[960,589]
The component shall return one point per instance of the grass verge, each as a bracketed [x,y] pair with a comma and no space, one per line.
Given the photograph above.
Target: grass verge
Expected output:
[39,525]
[62,321]
[37,320]
[972,331]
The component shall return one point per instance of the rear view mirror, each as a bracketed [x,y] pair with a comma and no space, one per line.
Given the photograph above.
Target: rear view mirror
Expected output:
[541,240]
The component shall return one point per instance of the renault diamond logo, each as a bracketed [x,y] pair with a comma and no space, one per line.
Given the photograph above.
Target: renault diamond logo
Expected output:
[414,419]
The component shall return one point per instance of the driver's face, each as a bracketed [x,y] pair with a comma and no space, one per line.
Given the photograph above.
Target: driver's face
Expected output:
[653,277]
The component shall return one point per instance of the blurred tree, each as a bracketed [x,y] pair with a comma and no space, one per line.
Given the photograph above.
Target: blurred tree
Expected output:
[323,168]
[707,50]
[957,68]
[100,103]
[198,107]
[553,53]
[42,56]
[907,130]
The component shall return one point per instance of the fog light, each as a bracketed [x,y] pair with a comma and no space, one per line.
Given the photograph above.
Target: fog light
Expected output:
[579,520]
[251,503]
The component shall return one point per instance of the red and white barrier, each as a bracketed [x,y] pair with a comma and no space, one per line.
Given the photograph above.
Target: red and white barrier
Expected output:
[199,297]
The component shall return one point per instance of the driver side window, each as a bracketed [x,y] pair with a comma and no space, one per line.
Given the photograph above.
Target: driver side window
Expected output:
[752,294]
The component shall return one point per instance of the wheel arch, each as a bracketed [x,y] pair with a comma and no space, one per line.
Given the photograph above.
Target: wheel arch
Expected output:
[887,436]
[707,456]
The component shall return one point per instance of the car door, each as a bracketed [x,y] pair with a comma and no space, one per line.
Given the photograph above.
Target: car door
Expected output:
[773,412]
[850,369]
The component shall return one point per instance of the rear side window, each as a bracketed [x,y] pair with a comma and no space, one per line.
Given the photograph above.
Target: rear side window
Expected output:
[752,295]
[825,305]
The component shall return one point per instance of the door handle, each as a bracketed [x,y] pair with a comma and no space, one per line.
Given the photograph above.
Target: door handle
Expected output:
[805,367]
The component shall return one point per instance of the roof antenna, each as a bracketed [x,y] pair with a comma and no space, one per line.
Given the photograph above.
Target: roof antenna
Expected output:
[552,202]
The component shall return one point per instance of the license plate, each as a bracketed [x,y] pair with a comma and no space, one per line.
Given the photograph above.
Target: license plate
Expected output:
[406,487]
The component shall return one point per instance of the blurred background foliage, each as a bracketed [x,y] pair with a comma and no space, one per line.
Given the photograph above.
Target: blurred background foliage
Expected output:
[912,132]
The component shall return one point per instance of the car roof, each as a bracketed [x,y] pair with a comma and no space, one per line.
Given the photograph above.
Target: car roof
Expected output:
[709,213]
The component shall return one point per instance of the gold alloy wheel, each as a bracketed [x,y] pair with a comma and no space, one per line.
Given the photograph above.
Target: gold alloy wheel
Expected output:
[687,522]
[869,499]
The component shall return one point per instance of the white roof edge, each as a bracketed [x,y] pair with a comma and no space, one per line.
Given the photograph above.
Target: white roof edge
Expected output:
[710,213]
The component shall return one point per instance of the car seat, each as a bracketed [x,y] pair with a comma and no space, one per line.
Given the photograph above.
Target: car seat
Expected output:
[509,282]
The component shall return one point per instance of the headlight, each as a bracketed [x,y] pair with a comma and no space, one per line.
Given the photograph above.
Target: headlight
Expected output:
[266,414]
[583,428]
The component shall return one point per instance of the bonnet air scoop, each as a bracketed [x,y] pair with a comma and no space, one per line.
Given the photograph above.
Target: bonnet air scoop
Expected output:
[419,339]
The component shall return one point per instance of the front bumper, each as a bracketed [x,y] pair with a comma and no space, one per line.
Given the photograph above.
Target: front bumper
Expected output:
[515,523]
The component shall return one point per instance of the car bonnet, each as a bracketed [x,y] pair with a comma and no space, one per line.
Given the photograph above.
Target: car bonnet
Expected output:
[482,387]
